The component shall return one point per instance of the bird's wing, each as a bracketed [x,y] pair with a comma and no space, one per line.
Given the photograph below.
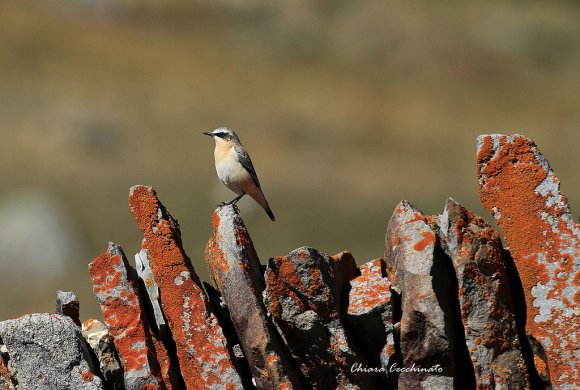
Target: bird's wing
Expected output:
[246,162]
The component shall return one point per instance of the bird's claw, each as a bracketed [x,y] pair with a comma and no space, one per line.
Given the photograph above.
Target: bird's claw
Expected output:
[230,203]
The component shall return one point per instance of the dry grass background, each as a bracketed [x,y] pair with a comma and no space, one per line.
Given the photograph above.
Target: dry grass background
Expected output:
[346,108]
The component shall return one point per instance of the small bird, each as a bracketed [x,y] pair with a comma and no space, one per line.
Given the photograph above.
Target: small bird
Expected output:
[234,168]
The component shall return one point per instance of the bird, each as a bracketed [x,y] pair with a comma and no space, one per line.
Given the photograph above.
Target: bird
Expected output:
[235,169]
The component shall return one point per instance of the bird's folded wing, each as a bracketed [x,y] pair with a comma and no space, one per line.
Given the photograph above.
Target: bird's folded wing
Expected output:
[246,162]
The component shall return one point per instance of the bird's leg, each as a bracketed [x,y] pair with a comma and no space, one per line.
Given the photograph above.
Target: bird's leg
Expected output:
[237,198]
[233,201]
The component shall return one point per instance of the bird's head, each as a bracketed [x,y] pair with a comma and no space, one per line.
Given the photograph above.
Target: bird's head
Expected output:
[223,134]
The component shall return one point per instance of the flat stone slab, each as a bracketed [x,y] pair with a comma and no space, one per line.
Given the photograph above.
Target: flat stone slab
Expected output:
[116,288]
[235,270]
[521,191]
[418,274]
[100,340]
[484,291]
[201,347]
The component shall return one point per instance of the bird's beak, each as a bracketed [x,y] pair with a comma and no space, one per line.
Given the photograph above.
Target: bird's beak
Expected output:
[210,134]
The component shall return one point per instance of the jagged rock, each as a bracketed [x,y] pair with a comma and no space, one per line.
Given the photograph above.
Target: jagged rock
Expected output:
[201,347]
[484,297]
[101,342]
[370,313]
[47,351]
[148,282]
[67,304]
[235,270]
[418,274]
[518,187]
[303,296]
[145,360]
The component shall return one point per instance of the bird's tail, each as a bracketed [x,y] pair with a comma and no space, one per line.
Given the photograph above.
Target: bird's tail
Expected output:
[259,197]
[270,214]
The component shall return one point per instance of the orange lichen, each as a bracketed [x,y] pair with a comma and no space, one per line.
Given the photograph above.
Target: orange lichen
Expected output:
[215,220]
[541,367]
[216,262]
[369,290]
[428,239]
[88,376]
[391,350]
[278,282]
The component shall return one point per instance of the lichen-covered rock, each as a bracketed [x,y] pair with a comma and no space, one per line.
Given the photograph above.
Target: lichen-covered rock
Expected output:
[47,351]
[418,274]
[484,297]
[67,304]
[521,191]
[370,313]
[116,288]
[222,313]
[201,347]
[235,270]
[100,340]
[303,295]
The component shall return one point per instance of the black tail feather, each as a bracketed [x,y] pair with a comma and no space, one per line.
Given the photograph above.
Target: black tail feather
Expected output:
[270,214]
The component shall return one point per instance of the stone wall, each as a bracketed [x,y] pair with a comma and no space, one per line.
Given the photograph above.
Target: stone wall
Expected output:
[446,307]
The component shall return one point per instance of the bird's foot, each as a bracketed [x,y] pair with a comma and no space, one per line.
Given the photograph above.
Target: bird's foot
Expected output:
[235,200]
[231,202]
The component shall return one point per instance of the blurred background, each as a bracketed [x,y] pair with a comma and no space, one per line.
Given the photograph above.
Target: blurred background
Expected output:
[346,108]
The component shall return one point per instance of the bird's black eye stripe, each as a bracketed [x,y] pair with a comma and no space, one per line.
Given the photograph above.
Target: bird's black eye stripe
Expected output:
[222,134]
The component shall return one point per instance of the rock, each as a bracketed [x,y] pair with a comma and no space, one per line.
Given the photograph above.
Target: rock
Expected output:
[484,297]
[100,340]
[67,304]
[201,347]
[148,284]
[6,380]
[521,191]
[417,271]
[116,287]
[370,313]
[47,351]
[222,313]
[235,270]
[302,295]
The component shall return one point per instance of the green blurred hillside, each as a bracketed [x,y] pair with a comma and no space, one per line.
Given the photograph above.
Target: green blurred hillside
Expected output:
[345,107]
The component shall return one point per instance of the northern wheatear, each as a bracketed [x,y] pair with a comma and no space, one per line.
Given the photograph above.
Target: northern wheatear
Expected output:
[234,168]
